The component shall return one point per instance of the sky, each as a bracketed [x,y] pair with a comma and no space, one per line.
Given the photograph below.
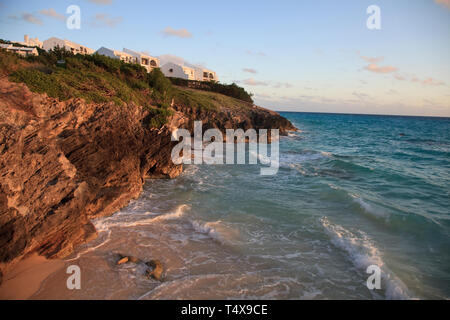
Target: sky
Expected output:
[310,55]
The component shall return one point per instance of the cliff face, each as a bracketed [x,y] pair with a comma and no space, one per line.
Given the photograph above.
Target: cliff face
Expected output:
[62,163]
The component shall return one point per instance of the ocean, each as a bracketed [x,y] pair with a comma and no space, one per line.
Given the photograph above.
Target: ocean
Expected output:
[352,191]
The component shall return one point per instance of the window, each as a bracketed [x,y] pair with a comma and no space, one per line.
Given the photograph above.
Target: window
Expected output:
[170,70]
[205,74]
[153,63]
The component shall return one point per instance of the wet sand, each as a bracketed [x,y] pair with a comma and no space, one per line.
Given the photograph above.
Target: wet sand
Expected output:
[22,280]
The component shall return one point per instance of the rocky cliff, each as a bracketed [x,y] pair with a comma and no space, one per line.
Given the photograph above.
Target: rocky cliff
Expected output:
[64,162]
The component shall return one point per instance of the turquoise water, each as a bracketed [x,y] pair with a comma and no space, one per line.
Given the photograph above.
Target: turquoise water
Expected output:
[351,191]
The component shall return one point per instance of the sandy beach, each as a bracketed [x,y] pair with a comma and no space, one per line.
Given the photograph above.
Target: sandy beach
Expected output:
[22,280]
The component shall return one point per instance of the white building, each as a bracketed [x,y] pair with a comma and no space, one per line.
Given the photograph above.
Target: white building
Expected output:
[173,70]
[116,54]
[76,48]
[202,74]
[23,51]
[148,62]
[30,42]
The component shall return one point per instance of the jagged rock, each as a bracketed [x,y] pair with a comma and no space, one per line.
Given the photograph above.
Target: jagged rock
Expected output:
[156,269]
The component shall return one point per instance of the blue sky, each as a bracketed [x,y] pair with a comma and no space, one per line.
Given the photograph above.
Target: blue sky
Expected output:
[315,55]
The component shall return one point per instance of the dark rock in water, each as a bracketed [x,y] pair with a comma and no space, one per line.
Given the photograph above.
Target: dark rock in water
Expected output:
[134,259]
[155,271]
[401,134]
[124,259]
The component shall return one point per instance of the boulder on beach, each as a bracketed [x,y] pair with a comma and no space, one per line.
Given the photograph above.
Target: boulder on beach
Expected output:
[155,271]
[122,260]
[134,259]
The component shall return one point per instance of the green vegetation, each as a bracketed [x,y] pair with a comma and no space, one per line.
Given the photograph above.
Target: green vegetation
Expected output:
[208,100]
[100,79]
[95,78]
[231,90]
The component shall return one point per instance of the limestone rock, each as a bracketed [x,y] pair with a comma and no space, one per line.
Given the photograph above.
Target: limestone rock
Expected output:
[156,269]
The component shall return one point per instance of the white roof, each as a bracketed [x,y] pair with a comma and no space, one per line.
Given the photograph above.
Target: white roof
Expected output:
[136,53]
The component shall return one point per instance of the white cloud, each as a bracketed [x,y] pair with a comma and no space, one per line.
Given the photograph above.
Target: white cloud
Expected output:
[253,82]
[52,14]
[28,17]
[180,33]
[104,20]
[249,70]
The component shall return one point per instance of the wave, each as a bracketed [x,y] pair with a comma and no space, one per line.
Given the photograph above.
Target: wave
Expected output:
[207,228]
[370,209]
[217,230]
[106,224]
[108,237]
[363,253]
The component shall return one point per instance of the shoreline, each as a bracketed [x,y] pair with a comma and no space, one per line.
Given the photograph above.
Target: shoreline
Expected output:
[24,279]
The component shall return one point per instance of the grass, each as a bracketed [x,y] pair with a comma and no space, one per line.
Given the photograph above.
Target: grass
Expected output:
[208,100]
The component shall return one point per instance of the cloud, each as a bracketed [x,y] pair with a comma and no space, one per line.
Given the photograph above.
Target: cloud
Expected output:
[373,67]
[101,2]
[104,20]
[28,17]
[249,70]
[432,82]
[445,3]
[52,14]
[372,60]
[278,85]
[253,82]
[429,81]
[180,33]
[373,64]
[360,95]
[252,53]
[165,58]
[399,77]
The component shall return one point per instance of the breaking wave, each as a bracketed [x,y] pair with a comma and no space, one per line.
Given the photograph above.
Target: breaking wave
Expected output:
[363,253]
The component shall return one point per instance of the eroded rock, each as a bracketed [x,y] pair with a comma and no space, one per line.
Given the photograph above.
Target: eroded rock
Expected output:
[156,269]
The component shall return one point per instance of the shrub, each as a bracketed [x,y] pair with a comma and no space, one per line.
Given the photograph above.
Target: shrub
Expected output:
[162,87]
[231,90]
[158,116]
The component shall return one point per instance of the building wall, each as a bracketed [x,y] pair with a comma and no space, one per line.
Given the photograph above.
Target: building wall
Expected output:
[173,70]
[210,75]
[51,43]
[139,56]
[20,50]
[106,52]
[115,54]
